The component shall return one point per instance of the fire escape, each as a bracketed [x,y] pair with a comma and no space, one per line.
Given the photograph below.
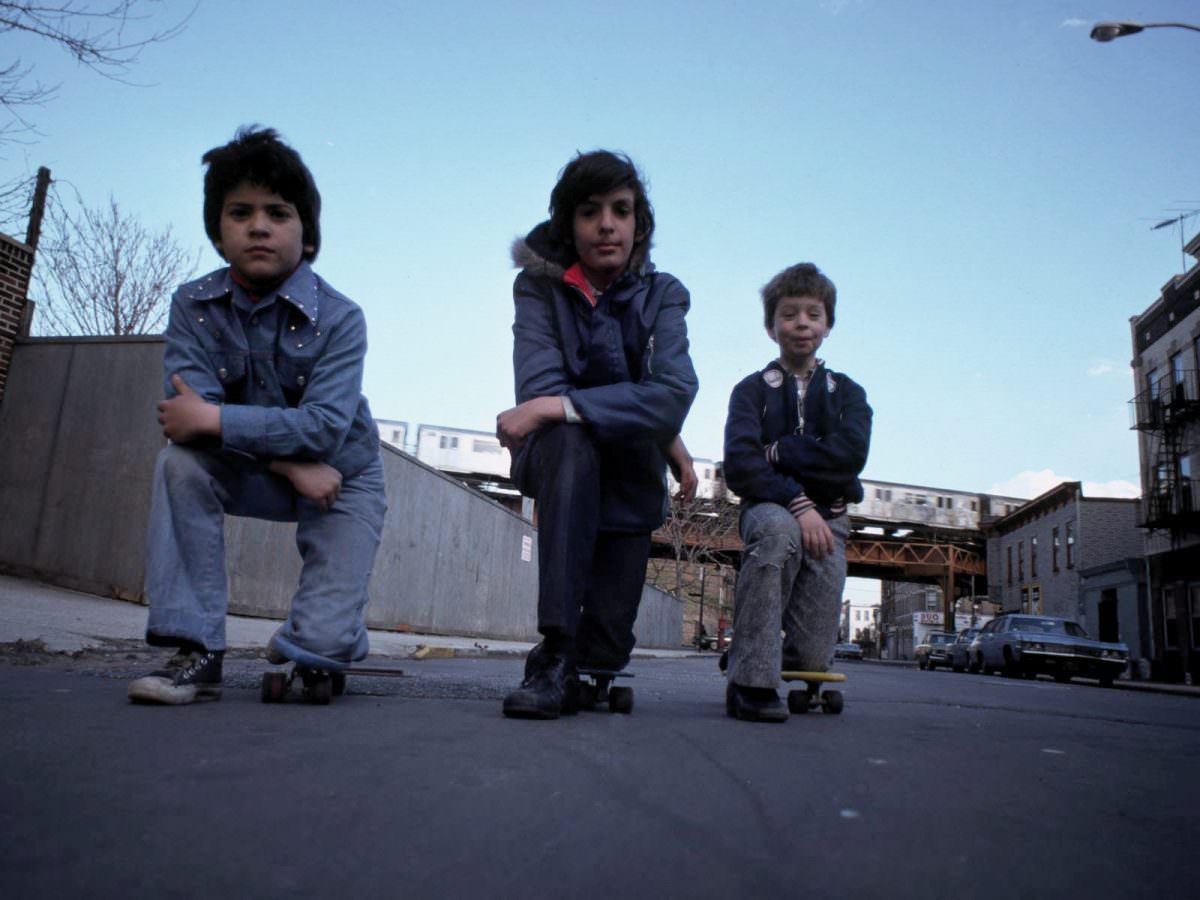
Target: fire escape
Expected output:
[1168,416]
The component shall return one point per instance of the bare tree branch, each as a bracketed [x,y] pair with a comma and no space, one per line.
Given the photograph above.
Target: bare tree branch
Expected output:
[100,271]
[96,35]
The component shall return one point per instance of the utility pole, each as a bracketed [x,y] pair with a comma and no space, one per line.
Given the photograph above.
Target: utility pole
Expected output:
[38,209]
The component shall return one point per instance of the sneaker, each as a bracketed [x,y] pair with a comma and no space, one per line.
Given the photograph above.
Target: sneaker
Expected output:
[190,676]
[550,689]
[754,704]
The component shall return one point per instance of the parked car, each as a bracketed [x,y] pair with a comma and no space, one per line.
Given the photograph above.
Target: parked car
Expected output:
[958,654]
[1025,645]
[847,651]
[931,652]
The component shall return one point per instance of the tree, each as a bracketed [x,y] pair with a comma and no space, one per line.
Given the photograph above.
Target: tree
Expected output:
[703,534]
[100,271]
[108,38]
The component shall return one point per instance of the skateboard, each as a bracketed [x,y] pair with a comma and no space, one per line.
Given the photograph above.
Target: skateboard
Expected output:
[812,697]
[317,686]
[596,686]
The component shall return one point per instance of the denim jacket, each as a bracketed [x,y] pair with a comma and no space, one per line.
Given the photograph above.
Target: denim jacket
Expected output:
[622,363]
[821,462]
[287,373]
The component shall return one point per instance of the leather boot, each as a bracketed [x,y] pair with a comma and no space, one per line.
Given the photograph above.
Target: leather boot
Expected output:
[550,688]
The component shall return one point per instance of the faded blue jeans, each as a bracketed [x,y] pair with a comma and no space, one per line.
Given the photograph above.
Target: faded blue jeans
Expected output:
[186,583]
[780,589]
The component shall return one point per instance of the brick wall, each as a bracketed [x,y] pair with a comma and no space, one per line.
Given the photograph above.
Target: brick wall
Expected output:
[16,262]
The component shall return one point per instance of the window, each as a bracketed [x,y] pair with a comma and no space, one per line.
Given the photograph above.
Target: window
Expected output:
[1177,376]
[1035,600]
[396,436]
[1154,382]
[485,447]
[1033,557]
[1170,619]
[445,442]
[1009,549]
[1054,549]
[1020,562]
[1024,600]
[974,506]
[1070,526]
[931,600]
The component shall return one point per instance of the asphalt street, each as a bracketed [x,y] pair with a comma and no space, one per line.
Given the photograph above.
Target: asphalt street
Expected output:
[931,784]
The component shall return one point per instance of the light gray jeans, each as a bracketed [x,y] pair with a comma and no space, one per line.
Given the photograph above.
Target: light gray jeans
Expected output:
[780,589]
[186,585]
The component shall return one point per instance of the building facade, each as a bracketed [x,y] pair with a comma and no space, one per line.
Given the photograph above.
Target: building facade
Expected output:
[1165,411]
[1036,556]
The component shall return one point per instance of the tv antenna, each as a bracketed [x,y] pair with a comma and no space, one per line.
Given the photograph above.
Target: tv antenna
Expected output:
[1178,220]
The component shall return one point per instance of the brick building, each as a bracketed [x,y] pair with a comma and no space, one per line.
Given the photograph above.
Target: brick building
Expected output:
[1037,553]
[16,263]
[1166,413]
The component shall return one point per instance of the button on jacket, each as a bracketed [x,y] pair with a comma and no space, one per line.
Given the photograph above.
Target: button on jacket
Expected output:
[287,370]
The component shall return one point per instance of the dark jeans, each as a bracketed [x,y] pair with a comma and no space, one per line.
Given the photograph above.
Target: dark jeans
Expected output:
[589,580]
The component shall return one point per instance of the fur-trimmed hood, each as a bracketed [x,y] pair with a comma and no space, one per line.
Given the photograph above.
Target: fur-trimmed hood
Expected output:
[536,255]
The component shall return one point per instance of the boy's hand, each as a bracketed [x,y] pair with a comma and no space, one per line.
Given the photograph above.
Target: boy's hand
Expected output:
[682,468]
[187,415]
[314,481]
[516,424]
[815,534]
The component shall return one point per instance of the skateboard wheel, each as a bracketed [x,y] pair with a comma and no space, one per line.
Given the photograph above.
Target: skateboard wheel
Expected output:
[832,702]
[620,700]
[587,695]
[338,683]
[797,701]
[274,687]
[319,691]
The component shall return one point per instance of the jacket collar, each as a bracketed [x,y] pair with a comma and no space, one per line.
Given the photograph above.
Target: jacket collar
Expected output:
[537,256]
[299,291]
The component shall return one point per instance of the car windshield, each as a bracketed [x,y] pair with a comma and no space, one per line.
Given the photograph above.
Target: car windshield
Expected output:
[935,639]
[1047,626]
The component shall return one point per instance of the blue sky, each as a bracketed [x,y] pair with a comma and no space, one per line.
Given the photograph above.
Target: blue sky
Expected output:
[978,179]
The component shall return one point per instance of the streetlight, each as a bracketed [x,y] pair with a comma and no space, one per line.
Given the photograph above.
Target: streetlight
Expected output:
[1107,31]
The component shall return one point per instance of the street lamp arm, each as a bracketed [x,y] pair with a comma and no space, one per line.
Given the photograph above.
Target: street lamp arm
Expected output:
[1107,31]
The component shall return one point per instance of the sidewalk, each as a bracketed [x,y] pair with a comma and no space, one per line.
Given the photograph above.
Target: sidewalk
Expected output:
[66,621]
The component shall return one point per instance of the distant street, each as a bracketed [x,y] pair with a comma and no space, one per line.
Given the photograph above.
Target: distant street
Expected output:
[930,784]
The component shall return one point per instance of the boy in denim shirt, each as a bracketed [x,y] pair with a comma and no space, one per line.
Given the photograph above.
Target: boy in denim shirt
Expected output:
[795,441]
[266,418]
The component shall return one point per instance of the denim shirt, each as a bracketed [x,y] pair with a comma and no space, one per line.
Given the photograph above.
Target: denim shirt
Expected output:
[287,369]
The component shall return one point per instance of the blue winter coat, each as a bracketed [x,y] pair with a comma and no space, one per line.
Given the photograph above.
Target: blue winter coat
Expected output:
[823,462]
[623,364]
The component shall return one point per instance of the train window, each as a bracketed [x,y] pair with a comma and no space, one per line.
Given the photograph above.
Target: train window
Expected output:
[485,447]
[446,442]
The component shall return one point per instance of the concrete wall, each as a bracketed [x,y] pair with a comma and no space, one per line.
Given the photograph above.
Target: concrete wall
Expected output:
[78,438]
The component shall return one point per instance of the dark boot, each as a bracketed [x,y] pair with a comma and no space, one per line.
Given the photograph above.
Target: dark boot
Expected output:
[754,704]
[550,688]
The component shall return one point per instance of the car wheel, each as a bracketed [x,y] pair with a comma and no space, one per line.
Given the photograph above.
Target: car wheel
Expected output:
[922,664]
[975,666]
[1062,678]
[1011,669]
[1106,681]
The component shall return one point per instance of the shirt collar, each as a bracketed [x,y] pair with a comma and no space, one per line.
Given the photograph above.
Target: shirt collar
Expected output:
[300,289]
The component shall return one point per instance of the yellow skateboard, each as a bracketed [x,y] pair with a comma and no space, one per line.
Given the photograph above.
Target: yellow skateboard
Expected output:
[812,697]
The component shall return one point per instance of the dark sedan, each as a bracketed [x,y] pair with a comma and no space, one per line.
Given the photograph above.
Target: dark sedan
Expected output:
[1026,645]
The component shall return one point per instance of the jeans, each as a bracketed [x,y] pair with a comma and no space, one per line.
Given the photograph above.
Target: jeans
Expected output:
[779,588]
[589,581]
[186,582]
